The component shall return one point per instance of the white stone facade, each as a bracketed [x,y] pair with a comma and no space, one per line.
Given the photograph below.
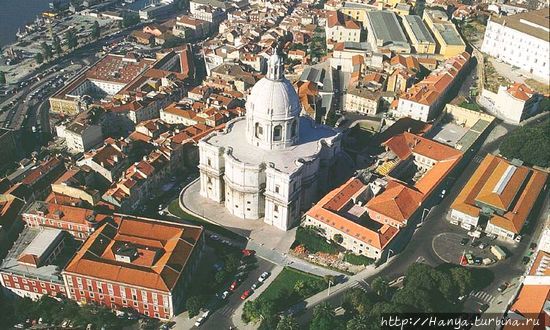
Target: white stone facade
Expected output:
[272,164]
[519,49]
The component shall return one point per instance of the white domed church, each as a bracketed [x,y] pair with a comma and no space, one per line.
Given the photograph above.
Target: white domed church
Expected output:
[273,163]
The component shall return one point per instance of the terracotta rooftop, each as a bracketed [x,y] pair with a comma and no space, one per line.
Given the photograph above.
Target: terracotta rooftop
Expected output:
[499,184]
[520,91]
[324,211]
[399,201]
[530,303]
[162,252]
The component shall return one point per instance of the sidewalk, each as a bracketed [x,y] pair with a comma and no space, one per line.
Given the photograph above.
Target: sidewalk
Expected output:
[270,243]
[236,317]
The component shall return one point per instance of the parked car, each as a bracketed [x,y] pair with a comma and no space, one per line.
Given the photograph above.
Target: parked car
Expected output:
[248,253]
[246,294]
[503,287]
[483,308]
[263,277]
[464,241]
[223,295]
[234,284]
[482,245]
[532,246]
[255,285]
[478,260]
[202,318]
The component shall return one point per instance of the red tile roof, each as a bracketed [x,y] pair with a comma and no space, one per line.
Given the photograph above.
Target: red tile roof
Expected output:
[172,244]
[518,194]
[324,211]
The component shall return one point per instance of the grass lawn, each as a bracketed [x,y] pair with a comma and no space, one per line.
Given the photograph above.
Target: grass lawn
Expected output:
[176,210]
[538,86]
[470,106]
[286,281]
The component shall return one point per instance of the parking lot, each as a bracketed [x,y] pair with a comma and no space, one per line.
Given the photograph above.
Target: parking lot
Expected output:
[222,303]
[451,246]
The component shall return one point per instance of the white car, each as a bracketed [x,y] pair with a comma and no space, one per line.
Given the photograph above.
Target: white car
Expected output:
[202,318]
[224,295]
[263,277]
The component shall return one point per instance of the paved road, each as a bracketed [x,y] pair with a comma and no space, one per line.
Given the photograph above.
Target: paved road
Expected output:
[221,316]
[420,249]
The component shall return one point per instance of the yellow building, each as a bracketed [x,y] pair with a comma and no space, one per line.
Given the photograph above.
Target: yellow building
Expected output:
[357,11]
[421,39]
[449,41]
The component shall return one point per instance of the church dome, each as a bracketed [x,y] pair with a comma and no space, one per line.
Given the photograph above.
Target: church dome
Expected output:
[273,99]
[273,108]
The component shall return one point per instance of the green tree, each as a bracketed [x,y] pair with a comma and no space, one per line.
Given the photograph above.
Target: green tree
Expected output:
[288,323]
[380,286]
[56,45]
[2,77]
[193,305]
[220,276]
[529,143]
[463,279]
[323,318]
[360,322]
[38,58]
[338,238]
[96,30]
[46,50]
[130,19]
[72,39]
[357,301]
[173,41]
[231,263]
[415,299]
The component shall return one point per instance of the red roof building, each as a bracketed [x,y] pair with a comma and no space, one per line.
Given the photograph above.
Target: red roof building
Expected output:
[136,263]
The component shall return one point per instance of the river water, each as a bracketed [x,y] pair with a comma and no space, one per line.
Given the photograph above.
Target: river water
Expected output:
[16,13]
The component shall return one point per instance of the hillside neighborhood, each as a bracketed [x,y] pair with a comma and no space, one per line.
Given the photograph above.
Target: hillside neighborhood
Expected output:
[245,164]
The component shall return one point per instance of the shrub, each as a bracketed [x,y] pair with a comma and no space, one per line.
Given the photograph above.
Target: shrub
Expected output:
[313,242]
[356,259]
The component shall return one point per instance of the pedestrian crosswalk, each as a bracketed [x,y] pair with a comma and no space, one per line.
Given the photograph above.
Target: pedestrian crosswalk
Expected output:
[228,310]
[477,159]
[482,295]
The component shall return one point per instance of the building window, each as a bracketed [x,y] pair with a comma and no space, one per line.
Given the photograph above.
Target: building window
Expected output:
[276,208]
[259,131]
[277,188]
[277,133]
[293,128]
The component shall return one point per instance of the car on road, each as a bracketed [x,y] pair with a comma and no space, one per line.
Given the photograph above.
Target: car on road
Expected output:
[482,245]
[478,260]
[248,253]
[263,277]
[202,318]
[464,241]
[532,246]
[525,260]
[246,294]
[482,308]
[503,287]
[223,295]
[255,285]
[234,284]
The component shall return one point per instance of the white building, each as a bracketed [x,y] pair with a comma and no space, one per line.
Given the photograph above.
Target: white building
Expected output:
[513,103]
[273,163]
[521,40]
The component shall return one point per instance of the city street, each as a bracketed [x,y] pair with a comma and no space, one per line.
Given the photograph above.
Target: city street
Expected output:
[420,248]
